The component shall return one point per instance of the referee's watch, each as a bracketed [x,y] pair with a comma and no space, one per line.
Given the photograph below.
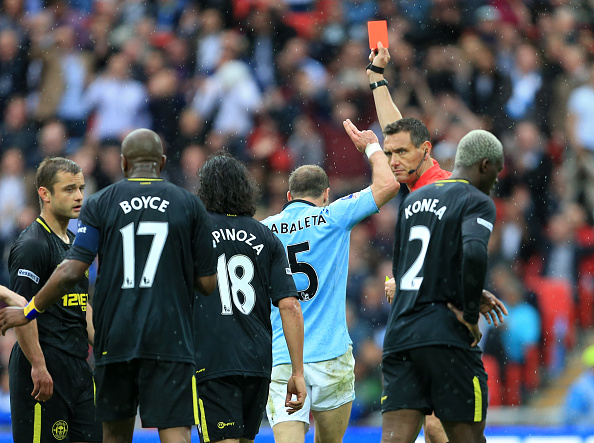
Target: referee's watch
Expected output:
[374,85]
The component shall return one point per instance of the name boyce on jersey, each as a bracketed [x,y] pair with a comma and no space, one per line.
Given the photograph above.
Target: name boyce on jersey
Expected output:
[144,202]
[240,235]
[299,225]
[425,205]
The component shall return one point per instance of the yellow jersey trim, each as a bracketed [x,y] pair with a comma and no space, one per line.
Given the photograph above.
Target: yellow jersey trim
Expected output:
[478,400]
[37,423]
[40,221]
[195,400]
[452,180]
[144,179]
[203,423]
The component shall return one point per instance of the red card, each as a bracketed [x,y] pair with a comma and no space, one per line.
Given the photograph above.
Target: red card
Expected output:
[378,32]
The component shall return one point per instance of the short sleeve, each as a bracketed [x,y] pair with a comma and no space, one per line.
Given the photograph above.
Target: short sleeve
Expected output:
[351,209]
[203,246]
[282,284]
[479,219]
[28,265]
[86,242]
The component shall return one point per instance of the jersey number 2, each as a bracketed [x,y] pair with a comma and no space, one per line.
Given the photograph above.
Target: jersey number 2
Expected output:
[159,231]
[228,271]
[410,281]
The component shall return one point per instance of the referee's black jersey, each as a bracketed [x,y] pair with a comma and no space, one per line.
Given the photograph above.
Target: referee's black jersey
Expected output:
[33,257]
[233,333]
[152,239]
[433,223]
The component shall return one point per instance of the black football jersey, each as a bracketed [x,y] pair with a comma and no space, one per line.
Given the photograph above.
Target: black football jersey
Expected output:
[34,256]
[433,223]
[233,333]
[152,239]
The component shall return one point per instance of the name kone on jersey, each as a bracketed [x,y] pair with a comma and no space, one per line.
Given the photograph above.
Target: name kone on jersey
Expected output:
[299,225]
[240,235]
[425,205]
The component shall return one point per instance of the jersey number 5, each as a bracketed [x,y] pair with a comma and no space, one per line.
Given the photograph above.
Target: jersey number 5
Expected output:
[410,281]
[159,231]
[301,267]
[239,270]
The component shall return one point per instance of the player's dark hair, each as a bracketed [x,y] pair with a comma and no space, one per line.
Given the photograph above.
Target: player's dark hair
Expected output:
[308,181]
[419,133]
[47,172]
[226,186]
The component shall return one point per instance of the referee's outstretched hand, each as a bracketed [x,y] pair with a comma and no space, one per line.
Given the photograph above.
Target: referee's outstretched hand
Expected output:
[12,317]
[295,387]
[474,329]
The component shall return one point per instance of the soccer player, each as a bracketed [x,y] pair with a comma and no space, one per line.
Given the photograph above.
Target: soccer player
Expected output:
[51,383]
[408,148]
[155,247]
[430,358]
[233,334]
[315,234]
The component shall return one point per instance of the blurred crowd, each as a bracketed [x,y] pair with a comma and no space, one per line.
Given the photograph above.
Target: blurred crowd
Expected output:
[272,81]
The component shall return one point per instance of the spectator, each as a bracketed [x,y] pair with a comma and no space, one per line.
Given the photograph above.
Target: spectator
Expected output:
[578,407]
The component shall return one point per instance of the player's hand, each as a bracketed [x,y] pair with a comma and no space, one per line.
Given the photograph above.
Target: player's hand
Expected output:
[379,59]
[473,328]
[12,317]
[360,138]
[390,289]
[295,386]
[492,308]
[11,298]
[43,385]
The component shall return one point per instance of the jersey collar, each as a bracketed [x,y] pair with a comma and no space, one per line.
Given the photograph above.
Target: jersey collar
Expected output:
[298,200]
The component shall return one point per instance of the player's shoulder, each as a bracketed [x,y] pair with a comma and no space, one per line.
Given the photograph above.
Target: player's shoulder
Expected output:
[32,240]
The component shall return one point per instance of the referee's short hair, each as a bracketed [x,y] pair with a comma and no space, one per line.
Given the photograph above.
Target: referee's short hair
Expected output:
[476,146]
[308,181]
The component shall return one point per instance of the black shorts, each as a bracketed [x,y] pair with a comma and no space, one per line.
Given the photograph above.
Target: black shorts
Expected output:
[232,407]
[69,415]
[447,380]
[163,391]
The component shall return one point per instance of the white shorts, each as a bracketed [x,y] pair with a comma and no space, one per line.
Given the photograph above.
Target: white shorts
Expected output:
[330,384]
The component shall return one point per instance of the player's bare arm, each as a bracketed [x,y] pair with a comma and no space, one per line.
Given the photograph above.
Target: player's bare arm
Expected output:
[384,185]
[387,111]
[60,282]
[206,284]
[292,318]
[28,338]
[11,298]
[90,325]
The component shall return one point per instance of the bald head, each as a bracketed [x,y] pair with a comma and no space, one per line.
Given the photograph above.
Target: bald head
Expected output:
[142,145]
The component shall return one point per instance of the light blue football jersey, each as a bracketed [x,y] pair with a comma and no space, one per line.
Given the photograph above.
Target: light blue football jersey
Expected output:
[317,241]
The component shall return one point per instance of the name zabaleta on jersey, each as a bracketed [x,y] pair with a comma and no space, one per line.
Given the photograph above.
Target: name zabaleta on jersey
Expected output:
[299,225]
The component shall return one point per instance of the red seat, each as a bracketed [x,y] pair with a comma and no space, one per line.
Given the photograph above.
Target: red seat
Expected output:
[494,380]
[531,372]
[557,310]
[513,384]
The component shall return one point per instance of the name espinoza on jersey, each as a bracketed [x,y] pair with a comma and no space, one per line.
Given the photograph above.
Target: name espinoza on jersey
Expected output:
[231,234]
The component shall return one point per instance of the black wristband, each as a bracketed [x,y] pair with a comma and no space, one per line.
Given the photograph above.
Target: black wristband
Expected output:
[383,82]
[375,68]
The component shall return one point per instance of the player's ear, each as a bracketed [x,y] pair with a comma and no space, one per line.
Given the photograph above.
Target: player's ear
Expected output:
[326,195]
[484,165]
[289,196]
[427,147]
[124,164]
[163,161]
[44,194]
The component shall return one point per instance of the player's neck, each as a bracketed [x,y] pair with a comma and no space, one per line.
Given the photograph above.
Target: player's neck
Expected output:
[58,225]
[144,170]
[425,166]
